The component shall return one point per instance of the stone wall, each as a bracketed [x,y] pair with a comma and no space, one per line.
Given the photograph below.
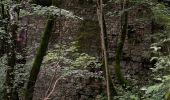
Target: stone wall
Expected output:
[136,53]
[137,45]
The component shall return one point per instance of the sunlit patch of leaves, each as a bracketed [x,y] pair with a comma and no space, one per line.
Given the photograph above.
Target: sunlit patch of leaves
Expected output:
[54,11]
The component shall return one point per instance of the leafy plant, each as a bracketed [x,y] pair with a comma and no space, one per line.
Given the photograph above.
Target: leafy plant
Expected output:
[161,77]
[70,56]
[3,67]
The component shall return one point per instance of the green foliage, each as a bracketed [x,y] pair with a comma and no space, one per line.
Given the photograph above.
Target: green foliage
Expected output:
[45,11]
[37,9]
[163,63]
[3,67]
[24,13]
[161,75]
[67,62]
[127,96]
[161,16]
[161,72]
[159,90]
[83,60]
[161,68]
[3,33]
[130,94]
[6,2]
[70,57]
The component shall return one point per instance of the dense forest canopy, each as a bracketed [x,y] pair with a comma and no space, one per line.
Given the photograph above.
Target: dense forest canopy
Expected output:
[85,50]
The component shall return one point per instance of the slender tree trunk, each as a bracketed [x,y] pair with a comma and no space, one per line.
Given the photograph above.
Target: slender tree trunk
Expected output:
[2,11]
[113,90]
[3,43]
[9,91]
[17,86]
[9,83]
[38,59]
[119,50]
[104,49]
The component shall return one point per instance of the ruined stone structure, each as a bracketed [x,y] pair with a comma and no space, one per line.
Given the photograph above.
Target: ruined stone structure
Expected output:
[136,52]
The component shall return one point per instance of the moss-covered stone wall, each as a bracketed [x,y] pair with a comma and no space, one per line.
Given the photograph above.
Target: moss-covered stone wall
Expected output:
[136,52]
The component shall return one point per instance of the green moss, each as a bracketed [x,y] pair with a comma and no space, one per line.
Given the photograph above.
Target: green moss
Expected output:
[38,59]
[120,46]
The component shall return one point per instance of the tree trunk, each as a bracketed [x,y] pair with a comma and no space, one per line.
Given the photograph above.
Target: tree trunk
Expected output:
[38,59]
[113,90]
[10,93]
[119,50]
[104,50]
[3,41]
[9,83]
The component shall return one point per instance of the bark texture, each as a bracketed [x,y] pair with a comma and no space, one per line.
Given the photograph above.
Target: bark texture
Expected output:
[11,55]
[121,41]
[38,59]
[10,92]
[104,50]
